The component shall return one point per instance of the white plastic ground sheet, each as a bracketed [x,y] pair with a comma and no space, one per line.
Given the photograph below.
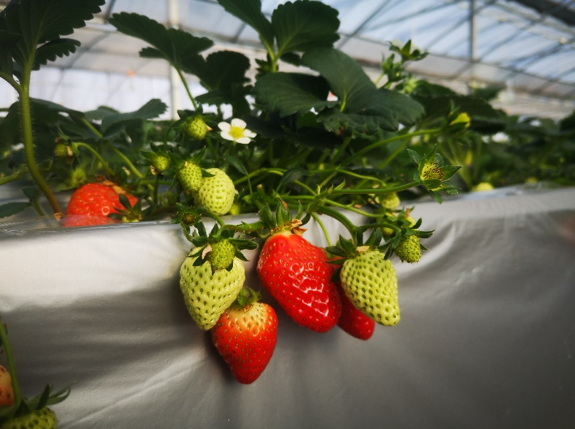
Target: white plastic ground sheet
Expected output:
[486,337]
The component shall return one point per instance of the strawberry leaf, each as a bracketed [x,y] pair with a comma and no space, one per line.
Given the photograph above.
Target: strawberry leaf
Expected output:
[53,49]
[304,25]
[172,44]
[10,209]
[250,12]
[291,93]
[115,122]
[40,21]
[292,175]
[237,164]
[363,108]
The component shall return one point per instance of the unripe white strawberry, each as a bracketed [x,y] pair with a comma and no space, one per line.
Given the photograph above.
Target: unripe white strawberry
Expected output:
[196,128]
[43,418]
[209,293]
[216,193]
[370,283]
[190,176]
[389,201]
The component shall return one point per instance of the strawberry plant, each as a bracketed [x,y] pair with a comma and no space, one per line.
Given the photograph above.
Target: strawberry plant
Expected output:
[309,145]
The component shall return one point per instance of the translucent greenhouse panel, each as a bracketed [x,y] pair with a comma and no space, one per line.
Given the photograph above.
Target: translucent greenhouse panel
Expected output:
[554,65]
[365,50]
[557,90]
[201,18]
[438,66]
[353,15]
[152,8]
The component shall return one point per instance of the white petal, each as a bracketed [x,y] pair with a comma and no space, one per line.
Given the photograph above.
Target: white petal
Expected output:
[226,136]
[250,134]
[224,126]
[238,123]
[243,140]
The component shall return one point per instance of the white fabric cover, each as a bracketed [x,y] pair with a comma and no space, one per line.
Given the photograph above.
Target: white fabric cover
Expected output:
[486,337]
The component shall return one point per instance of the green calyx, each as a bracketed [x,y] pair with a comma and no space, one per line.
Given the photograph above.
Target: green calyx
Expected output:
[432,173]
[246,297]
[129,213]
[282,221]
[219,247]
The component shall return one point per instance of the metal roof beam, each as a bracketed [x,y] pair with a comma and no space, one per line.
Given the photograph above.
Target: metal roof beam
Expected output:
[551,8]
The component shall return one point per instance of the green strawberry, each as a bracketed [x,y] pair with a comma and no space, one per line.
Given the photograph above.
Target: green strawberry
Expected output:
[62,150]
[389,201]
[44,418]
[216,193]
[160,163]
[196,128]
[222,255]
[208,294]
[409,249]
[190,176]
[432,171]
[369,281]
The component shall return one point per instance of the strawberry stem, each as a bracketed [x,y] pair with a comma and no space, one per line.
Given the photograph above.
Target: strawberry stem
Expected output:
[322,226]
[97,155]
[339,217]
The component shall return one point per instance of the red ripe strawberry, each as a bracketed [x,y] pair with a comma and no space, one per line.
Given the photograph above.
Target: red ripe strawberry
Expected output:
[353,321]
[92,203]
[246,338]
[298,276]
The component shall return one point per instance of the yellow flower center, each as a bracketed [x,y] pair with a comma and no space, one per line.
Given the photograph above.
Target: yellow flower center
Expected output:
[236,132]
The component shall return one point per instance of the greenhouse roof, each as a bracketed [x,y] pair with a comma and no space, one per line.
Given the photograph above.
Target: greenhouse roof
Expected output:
[522,46]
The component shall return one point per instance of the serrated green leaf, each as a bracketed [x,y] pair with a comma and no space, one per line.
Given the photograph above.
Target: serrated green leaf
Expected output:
[292,175]
[41,21]
[172,44]
[250,12]
[291,58]
[7,42]
[125,201]
[414,156]
[303,25]
[291,93]
[31,192]
[315,138]
[10,209]
[52,50]
[237,164]
[364,122]
[224,69]
[449,171]
[365,108]
[337,251]
[345,76]
[113,122]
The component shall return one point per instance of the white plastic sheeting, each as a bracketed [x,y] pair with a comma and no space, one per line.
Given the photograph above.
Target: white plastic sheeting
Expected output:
[486,337]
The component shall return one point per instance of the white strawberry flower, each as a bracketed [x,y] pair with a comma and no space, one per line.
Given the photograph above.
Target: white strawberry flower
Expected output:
[236,132]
